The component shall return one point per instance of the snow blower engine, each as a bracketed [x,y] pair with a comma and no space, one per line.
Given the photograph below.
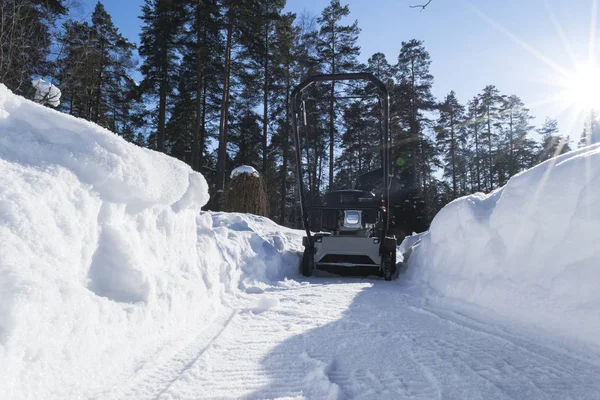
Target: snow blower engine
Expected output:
[348,229]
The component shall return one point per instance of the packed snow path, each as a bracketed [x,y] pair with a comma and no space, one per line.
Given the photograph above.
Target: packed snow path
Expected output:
[349,338]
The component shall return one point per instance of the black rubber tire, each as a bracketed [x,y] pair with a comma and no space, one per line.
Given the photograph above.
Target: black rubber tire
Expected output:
[308,262]
[388,266]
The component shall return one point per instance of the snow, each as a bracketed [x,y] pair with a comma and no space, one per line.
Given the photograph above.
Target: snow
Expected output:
[348,338]
[105,255]
[46,92]
[527,252]
[115,285]
[244,169]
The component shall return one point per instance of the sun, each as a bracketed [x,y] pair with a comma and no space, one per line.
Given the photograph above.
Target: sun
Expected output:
[581,88]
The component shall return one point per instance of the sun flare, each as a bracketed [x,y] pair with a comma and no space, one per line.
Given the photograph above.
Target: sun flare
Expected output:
[582,88]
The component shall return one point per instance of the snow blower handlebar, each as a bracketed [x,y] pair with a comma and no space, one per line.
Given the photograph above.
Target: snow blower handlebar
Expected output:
[361,76]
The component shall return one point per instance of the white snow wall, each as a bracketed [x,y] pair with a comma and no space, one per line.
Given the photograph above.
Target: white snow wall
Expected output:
[529,251]
[103,253]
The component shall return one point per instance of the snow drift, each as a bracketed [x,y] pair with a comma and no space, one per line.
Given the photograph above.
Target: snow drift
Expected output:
[529,251]
[104,253]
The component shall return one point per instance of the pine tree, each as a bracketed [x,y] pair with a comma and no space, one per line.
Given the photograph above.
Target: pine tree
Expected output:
[413,97]
[73,68]
[553,144]
[269,12]
[517,119]
[448,135]
[356,154]
[284,60]
[93,73]
[25,40]
[202,47]
[338,52]
[591,130]
[475,124]
[160,43]
[237,17]
[112,56]
[180,127]
[489,103]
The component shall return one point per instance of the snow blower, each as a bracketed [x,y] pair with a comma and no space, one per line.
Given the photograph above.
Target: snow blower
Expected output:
[347,229]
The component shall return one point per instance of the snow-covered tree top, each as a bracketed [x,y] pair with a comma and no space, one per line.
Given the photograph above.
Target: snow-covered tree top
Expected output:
[46,92]
[244,169]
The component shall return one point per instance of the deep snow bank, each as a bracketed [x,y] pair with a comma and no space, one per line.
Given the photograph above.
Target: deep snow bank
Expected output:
[104,254]
[529,251]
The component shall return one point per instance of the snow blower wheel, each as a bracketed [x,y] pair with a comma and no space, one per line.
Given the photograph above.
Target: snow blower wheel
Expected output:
[347,228]
[308,262]
[388,267]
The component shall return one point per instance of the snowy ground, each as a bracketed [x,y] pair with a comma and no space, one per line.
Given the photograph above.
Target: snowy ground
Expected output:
[114,285]
[334,338]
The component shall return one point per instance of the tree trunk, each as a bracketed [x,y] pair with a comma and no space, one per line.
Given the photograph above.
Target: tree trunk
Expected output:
[222,155]
[100,76]
[202,125]
[511,161]
[331,136]
[162,104]
[199,83]
[414,133]
[265,99]
[331,111]
[477,159]
[489,126]
[285,152]
[452,154]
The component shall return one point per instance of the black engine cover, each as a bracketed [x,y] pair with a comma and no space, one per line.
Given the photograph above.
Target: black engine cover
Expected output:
[347,198]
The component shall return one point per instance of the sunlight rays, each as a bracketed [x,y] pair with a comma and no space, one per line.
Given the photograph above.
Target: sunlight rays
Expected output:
[561,33]
[578,87]
[530,49]
[592,38]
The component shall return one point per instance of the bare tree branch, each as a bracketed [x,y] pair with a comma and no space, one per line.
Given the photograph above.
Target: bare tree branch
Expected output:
[422,6]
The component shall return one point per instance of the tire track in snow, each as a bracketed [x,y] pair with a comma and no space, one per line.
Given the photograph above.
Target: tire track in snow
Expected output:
[509,365]
[364,340]
[155,377]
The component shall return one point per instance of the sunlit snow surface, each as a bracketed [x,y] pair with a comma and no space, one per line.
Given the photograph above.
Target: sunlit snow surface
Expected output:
[529,251]
[114,285]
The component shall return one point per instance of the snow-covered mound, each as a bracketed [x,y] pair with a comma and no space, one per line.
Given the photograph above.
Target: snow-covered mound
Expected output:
[105,255]
[529,251]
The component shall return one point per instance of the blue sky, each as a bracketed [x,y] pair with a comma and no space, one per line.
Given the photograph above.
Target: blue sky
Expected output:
[517,45]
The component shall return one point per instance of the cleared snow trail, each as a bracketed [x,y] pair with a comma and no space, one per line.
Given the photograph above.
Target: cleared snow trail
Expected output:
[361,339]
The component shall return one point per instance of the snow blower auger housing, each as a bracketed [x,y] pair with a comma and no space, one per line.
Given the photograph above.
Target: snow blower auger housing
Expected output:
[346,230]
